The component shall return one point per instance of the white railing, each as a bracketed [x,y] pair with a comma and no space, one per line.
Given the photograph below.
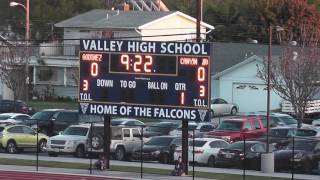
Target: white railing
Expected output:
[312,107]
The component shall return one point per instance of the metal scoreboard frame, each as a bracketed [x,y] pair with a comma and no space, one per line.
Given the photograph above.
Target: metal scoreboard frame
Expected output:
[150,79]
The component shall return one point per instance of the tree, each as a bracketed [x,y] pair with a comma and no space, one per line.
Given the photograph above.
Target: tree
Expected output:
[12,69]
[295,75]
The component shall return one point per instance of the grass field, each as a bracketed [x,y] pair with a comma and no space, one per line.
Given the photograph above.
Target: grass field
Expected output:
[218,176]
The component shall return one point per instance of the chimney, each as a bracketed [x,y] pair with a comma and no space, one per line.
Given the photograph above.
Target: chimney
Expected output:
[126,7]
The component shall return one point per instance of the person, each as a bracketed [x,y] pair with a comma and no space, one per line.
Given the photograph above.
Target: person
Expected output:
[178,168]
[101,163]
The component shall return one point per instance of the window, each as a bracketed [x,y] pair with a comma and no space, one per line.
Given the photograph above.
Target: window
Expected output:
[130,123]
[230,125]
[214,144]
[115,133]
[137,123]
[197,143]
[257,124]
[258,148]
[15,129]
[136,133]
[50,74]
[27,130]
[67,117]
[21,117]
[126,133]
[247,125]
[177,141]
[206,128]
[223,144]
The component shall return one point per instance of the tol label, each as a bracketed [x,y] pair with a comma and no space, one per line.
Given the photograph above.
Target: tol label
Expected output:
[85,97]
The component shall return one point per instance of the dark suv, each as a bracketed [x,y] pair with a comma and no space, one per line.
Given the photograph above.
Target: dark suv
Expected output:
[13,106]
[52,121]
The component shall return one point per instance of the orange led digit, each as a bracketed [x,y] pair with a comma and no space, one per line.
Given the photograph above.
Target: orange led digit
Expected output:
[137,63]
[85,85]
[201,74]
[202,91]
[148,64]
[182,98]
[94,69]
[125,61]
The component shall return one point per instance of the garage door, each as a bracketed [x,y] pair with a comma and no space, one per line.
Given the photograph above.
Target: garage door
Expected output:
[253,97]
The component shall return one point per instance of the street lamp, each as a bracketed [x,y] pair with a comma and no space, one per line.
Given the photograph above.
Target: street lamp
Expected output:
[267,159]
[27,38]
[278,29]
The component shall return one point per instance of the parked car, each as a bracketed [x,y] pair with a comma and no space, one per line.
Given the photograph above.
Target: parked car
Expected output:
[12,118]
[159,148]
[18,106]
[73,140]
[280,137]
[205,150]
[308,132]
[52,121]
[306,155]
[159,129]
[238,128]
[124,141]
[220,106]
[198,128]
[18,137]
[126,122]
[239,152]
[276,119]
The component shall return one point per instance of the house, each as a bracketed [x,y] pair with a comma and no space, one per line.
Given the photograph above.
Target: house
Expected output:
[55,70]
[234,75]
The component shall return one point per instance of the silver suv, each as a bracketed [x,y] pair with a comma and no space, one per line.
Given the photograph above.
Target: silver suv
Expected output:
[72,140]
[76,140]
[124,141]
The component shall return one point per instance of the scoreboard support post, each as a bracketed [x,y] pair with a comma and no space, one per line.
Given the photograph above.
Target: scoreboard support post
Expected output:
[107,140]
[185,145]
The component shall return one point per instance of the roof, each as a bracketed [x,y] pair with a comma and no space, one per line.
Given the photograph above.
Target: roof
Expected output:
[226,55]
[101,18]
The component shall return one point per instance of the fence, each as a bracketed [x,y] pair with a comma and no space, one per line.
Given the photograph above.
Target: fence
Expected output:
[291,154]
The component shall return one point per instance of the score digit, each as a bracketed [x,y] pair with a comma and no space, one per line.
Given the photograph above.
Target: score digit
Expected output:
[125,61]
[201,74]
[182,98]
[94,69]
[85,85]
[136,64]
[147,64]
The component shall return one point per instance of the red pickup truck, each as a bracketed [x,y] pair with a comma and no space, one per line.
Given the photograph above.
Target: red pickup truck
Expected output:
[238,128]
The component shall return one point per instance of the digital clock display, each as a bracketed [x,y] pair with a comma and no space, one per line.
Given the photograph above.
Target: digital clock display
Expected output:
[163,80]
[143,64]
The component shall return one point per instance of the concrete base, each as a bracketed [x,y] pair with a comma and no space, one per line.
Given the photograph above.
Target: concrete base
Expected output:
[267,162]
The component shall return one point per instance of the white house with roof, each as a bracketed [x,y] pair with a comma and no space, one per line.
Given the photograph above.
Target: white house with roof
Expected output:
[234,76]
[54,70]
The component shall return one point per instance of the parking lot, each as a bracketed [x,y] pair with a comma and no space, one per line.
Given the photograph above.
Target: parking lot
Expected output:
[161,146]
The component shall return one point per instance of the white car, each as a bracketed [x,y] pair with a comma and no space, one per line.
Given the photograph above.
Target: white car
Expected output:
[127,122]
[205,150]
[220,106]
[198,128]
[12,118]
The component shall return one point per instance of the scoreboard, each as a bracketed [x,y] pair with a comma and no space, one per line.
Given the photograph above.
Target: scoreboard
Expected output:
[163,80]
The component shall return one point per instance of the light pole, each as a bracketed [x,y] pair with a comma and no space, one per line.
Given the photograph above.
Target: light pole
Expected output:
[278,29]
[27,38]
[267,159]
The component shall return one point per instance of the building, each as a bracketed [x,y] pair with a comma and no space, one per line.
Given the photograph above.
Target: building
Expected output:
[234,76]
[55,70]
